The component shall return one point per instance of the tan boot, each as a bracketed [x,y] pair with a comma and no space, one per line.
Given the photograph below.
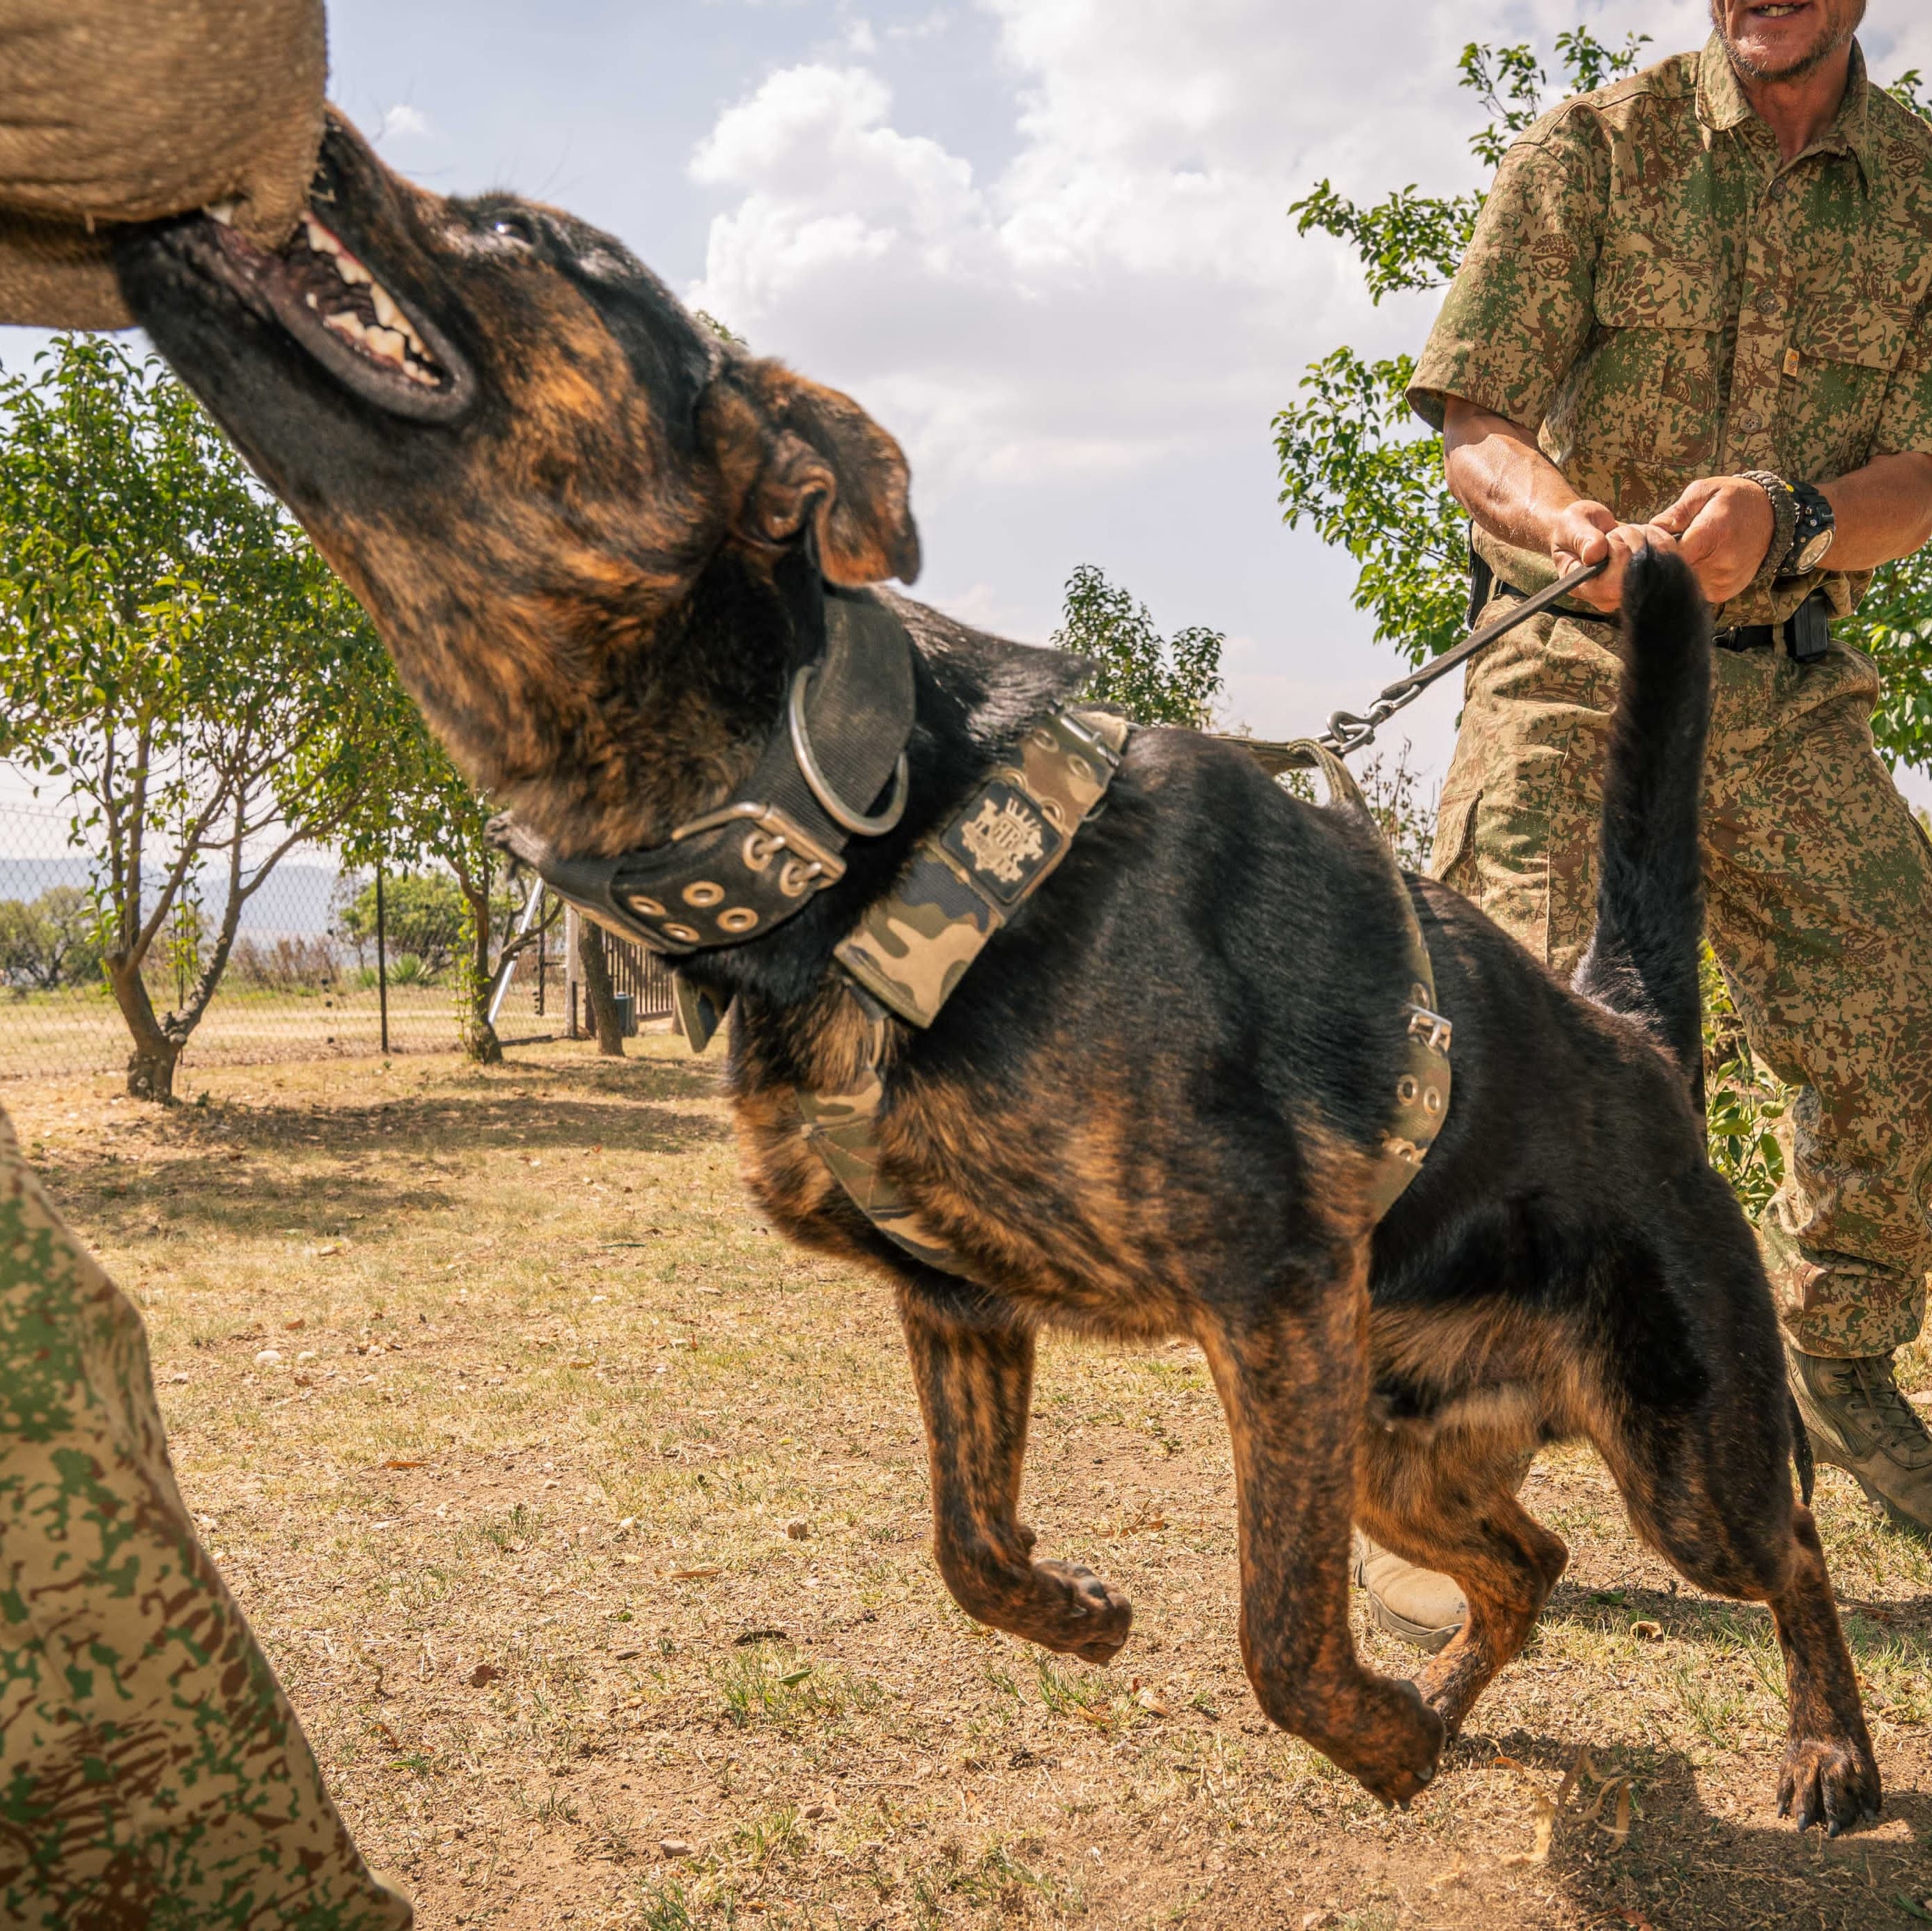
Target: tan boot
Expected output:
[1858,1421]
[1415,1604]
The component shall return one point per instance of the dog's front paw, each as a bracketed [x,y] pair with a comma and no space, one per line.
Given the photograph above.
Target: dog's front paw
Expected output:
[1401,1743]
[1831,1781]
[1084,1617]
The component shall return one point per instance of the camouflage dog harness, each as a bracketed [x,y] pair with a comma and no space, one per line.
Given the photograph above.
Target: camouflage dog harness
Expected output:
[913,947]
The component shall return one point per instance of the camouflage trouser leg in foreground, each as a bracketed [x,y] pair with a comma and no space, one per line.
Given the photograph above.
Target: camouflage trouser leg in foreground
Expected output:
[151,1771]
[1819,887]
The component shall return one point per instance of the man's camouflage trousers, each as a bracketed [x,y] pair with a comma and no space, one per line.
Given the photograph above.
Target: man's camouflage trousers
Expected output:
[1819,882]
[151,1771]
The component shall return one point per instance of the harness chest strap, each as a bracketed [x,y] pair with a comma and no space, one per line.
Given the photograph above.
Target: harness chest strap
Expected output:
[913,947]
[1422,1088]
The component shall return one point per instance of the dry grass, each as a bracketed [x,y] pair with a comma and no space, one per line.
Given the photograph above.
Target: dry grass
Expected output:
[511,1516]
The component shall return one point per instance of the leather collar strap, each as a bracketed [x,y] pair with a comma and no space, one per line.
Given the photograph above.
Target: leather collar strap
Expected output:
[735,873]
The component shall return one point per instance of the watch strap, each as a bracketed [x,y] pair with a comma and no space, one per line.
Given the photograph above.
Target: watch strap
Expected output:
[1784,525]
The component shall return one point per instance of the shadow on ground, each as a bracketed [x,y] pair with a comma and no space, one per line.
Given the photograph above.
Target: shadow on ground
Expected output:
[207,1166]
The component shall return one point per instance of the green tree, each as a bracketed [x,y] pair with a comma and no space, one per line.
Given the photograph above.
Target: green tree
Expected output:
[1357,466]
[428,815]
[50,941]
[175,653]
[424,913]
[1152,679]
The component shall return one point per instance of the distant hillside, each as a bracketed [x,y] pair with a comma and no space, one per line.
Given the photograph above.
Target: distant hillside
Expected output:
[295,900]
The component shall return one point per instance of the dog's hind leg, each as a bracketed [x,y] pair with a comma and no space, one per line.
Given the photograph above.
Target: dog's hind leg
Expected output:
[1450,1505]
[1290,1367]
[1705,1473]
[974,1372]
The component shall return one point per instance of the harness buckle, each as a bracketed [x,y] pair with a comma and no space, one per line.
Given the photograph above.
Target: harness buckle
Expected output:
[811,861]
[1430,1028]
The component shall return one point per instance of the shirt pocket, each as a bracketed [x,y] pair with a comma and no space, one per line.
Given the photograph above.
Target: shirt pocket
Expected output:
[1848,343]
[1650,392]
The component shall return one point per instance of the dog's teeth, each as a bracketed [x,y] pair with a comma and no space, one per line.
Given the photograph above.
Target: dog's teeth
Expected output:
[314,304]
[351,270]
[387,343]
[222,212]
[347,323]
[387,312]
[320,239]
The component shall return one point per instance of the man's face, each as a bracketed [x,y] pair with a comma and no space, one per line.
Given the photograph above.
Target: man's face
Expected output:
[1784,40]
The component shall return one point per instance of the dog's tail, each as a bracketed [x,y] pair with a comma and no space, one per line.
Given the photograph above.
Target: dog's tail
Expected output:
[1643,961]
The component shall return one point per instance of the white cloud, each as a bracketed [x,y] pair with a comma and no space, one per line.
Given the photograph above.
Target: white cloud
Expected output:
[402,122]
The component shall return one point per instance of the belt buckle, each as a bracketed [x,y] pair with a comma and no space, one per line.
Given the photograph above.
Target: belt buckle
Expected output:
[785,833]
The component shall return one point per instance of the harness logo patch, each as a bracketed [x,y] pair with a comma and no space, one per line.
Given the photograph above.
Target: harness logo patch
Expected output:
[1004,842]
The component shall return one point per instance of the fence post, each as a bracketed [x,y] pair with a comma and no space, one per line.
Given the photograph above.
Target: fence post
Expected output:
[382,962]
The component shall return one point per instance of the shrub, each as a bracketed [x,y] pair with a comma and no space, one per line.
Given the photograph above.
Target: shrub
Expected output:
[423,913]
[287,964]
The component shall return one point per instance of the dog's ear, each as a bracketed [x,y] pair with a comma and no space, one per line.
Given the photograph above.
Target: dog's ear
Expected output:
[791,449]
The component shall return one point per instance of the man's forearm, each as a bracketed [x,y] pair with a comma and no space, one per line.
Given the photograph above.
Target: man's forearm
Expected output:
[1884,511]
[1499,475]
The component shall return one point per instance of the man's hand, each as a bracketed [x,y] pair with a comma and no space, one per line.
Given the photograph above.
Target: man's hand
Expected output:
[1504,481]
[1724,525]
[1586,533]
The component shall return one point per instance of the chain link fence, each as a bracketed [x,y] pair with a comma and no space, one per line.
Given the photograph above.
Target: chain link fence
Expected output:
[313,972]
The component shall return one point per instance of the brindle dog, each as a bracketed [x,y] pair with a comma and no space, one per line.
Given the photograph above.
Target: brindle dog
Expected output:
[1155,1105]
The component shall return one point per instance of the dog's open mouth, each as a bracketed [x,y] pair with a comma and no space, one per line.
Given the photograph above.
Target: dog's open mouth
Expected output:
[372,342]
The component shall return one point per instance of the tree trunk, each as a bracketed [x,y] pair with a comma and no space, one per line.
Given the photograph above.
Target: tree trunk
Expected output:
[598,992]
[479,1037]
[150,1066]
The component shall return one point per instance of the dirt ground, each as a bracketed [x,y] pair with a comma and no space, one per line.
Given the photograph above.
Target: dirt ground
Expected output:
[586,1521]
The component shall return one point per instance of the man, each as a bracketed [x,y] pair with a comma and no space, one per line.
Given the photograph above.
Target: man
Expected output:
[1695,310]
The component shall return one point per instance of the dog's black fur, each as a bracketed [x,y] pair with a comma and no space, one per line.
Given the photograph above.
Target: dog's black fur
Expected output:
[1156,1104]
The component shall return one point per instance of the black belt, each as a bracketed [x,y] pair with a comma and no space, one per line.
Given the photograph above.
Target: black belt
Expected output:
[1805,634]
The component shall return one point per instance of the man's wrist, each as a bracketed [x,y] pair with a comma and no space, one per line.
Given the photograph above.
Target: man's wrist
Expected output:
[1784,499]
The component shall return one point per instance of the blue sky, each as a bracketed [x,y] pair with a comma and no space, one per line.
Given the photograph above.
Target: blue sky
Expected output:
[1045,241]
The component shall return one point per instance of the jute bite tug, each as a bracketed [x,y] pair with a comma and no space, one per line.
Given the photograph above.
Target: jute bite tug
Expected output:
[1160,1098]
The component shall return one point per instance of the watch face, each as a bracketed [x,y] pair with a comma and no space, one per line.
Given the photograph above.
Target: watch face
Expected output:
[1814,552]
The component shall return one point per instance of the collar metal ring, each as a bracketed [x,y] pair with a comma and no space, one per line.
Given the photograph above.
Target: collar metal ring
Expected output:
[834,807]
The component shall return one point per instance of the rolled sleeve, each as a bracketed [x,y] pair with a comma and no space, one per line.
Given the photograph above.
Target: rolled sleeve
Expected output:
[1519,312]
[1905,424]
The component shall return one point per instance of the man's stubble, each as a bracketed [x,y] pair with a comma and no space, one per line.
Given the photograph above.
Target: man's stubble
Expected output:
[1828,43]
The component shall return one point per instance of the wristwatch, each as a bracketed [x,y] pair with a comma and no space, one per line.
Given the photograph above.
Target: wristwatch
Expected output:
[1784,523]
[1816,531]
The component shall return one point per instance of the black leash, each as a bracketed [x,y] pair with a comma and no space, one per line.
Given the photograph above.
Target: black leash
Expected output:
[1347,732]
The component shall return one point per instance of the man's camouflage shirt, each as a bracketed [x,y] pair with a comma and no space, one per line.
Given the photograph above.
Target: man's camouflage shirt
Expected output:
[1652,290]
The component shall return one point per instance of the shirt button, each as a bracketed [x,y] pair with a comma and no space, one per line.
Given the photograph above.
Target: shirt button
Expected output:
[1751,422]
[1767,303]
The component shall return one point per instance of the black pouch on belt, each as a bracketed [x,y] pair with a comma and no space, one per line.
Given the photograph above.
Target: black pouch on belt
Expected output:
[1808,631]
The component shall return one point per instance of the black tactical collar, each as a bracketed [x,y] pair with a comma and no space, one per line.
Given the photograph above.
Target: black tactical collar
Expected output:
[735,873]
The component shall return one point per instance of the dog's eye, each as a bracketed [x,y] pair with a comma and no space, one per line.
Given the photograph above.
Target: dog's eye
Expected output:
[512,226]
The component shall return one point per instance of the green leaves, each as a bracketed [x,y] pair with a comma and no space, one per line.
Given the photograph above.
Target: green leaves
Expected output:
[1354,464]
[1893,626]
[1137,672]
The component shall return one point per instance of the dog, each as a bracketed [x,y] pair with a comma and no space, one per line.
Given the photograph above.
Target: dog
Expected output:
[1157,1105]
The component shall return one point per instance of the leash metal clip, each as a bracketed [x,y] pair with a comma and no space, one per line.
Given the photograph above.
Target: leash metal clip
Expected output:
[1348,732]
